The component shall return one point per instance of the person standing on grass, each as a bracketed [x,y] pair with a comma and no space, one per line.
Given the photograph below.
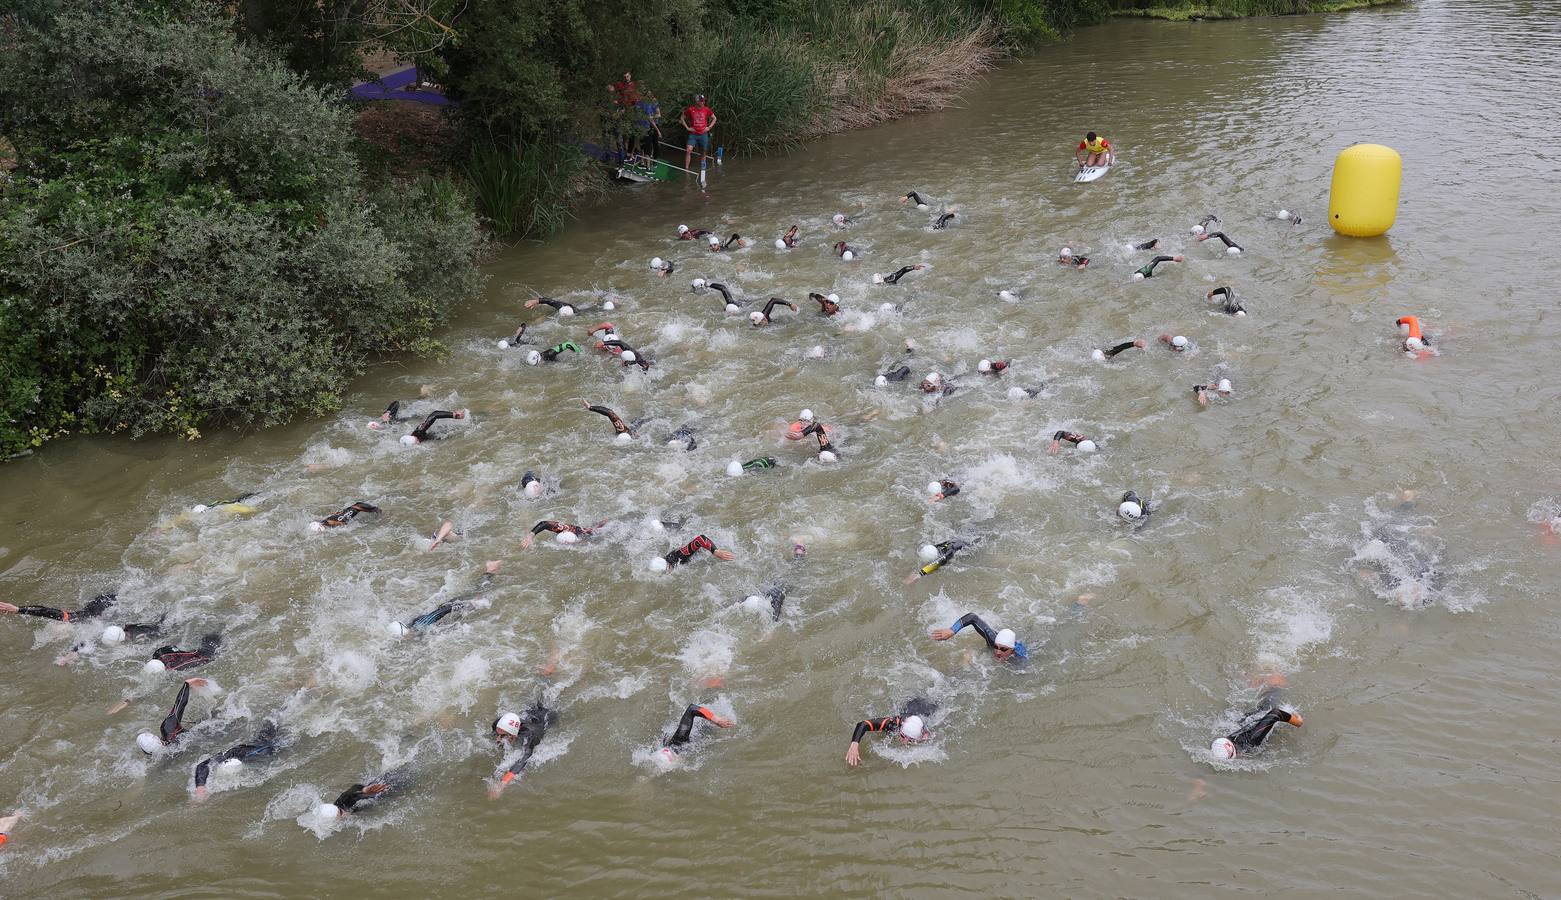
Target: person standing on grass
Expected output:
[698,119]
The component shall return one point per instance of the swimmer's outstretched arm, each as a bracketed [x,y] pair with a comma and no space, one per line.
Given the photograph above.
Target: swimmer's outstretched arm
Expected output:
[612,417]
[173,723]
[421,431]
[1125,345]
[854,752]
[774,302]
[974,621]
[42,612]
[685,727]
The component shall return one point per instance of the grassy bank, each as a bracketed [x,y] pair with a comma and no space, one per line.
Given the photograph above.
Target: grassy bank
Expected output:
[1241,9]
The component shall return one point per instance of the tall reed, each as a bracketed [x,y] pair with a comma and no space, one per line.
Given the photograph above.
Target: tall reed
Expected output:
[523,188]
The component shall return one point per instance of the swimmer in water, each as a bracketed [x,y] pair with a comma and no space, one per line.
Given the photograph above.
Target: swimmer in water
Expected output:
[916,198]
[172,659]
[845,251]
[1151,244]
[828,305]
[531,485]
[992,366]
[897,374]
[1220,388]
[560,528]
[359,795]
[1133,509]
[524,730]
[840,220]
[717,247]
[1003,644]
[8,825]
[686,552]
[763,318]
[1416,343]
[1176,343]
[730,305]
[826,449]
[336,520]
[758,464]
[551,353]
[1203,223]
[943,221]
[936,556]
[935,383]
[629,355]
[1125,345]
[564,309]
[774,595]
[1255,726]
[1078,440]
[514,340]
[685,436]
[794,431]
[94,608]
[1065,257]
[1227,296]
[431,618]
[265,743]
[942,489]
[683,735]
[910,725]
[111,635]
[392,412]
[789,239]
[617,423]
[1229,244]
[894,277]
[420,433]
[1147,269]
[686,233]
[173,724]
[662,267]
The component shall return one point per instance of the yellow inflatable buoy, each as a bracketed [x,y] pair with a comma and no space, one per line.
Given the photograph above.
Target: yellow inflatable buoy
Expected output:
[1364,199]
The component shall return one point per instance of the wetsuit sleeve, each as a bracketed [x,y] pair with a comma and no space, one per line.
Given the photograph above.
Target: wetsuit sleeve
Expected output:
[433,615]
[394,409]
[44,612]
[949,488]
[685,727]
[612,417]
[174,722]
[203,772]
[979,624]
[545,525]
[903,269]
[95,607]
[422,430]
[1125,345]
[1160,259]
[1252,736]
[866,725]
[351,797]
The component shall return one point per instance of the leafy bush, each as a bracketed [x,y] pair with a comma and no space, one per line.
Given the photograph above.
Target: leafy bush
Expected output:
[187,239]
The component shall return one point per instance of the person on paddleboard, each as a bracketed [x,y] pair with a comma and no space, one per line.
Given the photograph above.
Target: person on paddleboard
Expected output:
[1094,150]
[698,119]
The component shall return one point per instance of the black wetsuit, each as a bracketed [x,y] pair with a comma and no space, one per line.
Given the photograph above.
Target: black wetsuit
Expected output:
[895,277]
[1256,725]
[1147,270]
[899,374]
[1223,239]
[685,729]
[725,294]
[915,198]
[776,594]
[943,221]
[821,431]
[684,435]
[176,660]
[265,743]
[946,551]
[617,423]
[1204,222]
[947,488]
[1132,497]
[1231,305]
[94,608]
[173,723]
[518,337]
[1125,345]
[561,527]
[841,248]
[534,724]
[552,352]
[421,431]
[640,359]
[774,302]
[825,305]
[1068,436]
[988,634]
[556,304]
[686,552]
[916,707]
[1151,244]
[383,786]
[392,412]
[527,479]
[348,514]
[734,239]
[432,617]
[790,237]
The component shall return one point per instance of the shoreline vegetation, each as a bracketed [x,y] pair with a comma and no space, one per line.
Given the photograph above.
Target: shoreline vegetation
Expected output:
[197,231]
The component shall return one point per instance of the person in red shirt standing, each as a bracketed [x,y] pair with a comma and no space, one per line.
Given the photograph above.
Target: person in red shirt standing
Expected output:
[628,93]
[698,119]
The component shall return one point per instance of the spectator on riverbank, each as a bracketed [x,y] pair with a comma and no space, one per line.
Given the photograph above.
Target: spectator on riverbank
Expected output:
[698,119]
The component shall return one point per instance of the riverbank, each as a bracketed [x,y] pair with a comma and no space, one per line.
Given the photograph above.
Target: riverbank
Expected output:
[1244,9]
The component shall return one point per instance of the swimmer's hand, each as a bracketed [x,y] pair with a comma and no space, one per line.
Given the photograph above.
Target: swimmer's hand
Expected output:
[853,754]
[726,555]
[527,541]
[9,608]
[491,567]
[942,634]
[495,790]
[724,722]
[200,794]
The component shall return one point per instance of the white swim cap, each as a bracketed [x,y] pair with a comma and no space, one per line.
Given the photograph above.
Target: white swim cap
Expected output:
[624,437]
[780,244]
[509,723]
[1098,355]
[1086,446]
[534,488]
[734,468]
[1223,748]
[408,439]
[113,634]
[148,743]
[806,415]
[566,310]
[328,811]
[231,765]
[199,508]
[533,358]
[984,365]
[567,537]
[656,263]
[832,298]
[933,487]
[629,356]
[827,456]
[880,381]
[1005,639]
[503,345]
[1197,229]
[848,256]
[655,525]
[715,241]
[153,666]
[396,629]
[1224,386]
[682,229]
[756,317]
[609,305]
[886,308]
[1179,342]
[877,278]
[696,284]
[1006,295]
[1233,251]
[928,553]
[657,564]
[1066,251]
[1138,276]
[1414,343]
[933,377]
[1130,510]
[1241,312]
[913,728]
[316,526]
[1017,393]
[838,218]
[815,352]
[733,308]
[1283,214]
[922,206]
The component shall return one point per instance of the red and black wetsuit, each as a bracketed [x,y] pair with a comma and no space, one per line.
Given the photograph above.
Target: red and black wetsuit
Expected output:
[695,234]
[1069,436]
[617,423]
[176,660]
[173,723]
[821,431]
[685,729]
[686,552]
[560,527]
[348,514]
[916,707]
[264,744]
[94,608]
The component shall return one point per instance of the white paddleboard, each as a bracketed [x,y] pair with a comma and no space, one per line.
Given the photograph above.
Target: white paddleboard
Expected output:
[1091,173]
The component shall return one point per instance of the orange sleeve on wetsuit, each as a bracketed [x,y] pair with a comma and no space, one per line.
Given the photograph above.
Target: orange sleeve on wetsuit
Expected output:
[705,713]
[507,778]
[1414,325]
